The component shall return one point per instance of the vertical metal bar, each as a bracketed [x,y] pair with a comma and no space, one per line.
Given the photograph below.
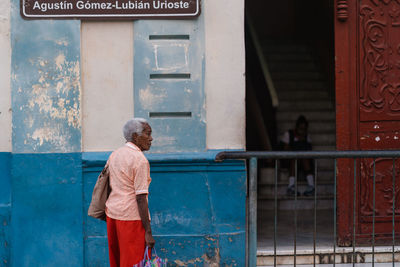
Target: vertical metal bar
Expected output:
[253,213]
[275,209]
[354,211]
[393,207]
[334,217]
[373,219]
[295,212]
[315,208]
[247,217]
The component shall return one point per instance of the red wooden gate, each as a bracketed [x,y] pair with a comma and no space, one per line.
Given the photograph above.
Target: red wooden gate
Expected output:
[367,48]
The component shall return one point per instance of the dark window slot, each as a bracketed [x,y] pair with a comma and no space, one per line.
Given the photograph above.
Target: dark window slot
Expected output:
[170,114]
[170,76]
[170,37]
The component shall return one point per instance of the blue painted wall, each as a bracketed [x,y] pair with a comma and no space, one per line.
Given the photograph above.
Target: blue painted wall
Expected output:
[5,208]
[47,210]
[197,205]
[171,48]
[46,206]
[45,82]
[197,209]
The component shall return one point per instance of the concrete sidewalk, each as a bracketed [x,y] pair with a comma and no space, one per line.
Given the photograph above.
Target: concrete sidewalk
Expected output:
[324,249]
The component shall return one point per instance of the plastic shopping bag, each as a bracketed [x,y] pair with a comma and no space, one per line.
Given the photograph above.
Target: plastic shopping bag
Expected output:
[155,261]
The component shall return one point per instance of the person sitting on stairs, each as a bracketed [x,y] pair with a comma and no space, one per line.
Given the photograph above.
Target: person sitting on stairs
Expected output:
[299,140]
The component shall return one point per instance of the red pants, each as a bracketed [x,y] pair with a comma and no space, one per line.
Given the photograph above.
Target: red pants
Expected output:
[126,242]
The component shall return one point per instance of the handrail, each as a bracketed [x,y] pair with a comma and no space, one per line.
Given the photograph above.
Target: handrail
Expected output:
[263,62]
[307,154]
[253,156]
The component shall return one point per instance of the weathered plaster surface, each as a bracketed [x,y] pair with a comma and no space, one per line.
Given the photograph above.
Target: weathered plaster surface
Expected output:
[206,230]
[5,87]
[225,73]
[107,81]
[166,95]
[45,83]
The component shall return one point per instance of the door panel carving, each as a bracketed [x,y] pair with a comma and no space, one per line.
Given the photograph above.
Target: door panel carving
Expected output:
[367,51]
[379,107]
[379,44]
[383,188]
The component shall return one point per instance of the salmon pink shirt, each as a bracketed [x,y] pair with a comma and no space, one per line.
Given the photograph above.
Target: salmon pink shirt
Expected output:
[129,176]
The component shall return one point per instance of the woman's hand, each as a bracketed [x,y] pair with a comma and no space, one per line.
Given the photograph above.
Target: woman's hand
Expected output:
[149,239]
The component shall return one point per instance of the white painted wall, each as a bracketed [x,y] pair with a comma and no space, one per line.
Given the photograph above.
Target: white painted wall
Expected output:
[107,83]
[5,74]
[225,74]
[107,78]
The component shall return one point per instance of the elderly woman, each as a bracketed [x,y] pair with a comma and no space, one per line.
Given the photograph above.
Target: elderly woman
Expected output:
[128,218]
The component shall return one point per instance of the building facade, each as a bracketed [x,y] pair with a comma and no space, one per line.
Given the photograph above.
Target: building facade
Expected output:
[68,86]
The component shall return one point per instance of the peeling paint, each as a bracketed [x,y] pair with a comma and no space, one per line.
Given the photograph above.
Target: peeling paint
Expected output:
[43,92]
[150,97]
[181,263]
[46,87]
[210,238]
[49,134]
[62,42]
[164,140]
[160,219]
[60,61]
[181,95]
[212,260]
[163,53]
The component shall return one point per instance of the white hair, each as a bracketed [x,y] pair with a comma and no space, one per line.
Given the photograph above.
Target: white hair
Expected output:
[134,125]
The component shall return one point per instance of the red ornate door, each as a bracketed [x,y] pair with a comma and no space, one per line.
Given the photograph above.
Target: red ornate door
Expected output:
[367,48]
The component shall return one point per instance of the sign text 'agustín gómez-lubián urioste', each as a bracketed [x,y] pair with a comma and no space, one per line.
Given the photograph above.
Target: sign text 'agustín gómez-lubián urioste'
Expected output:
[123,9]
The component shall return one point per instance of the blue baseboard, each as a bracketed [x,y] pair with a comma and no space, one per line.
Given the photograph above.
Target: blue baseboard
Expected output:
[5,207]
[47,210]
[197,207]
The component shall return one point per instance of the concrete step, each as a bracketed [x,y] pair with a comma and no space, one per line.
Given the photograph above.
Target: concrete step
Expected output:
[284,47]
[297,76]
[303,95]
[288,203]
[324,175]
[327,143]
[325,256]
[305,105]
[313,127]
[301,84]
[268,190]
[324,147]
[310,115]
[295,57]
[319,141]
[388,264]
[275,66]
[323,138]
[319,137]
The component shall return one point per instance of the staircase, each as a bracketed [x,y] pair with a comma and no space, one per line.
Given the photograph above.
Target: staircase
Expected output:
[302,90]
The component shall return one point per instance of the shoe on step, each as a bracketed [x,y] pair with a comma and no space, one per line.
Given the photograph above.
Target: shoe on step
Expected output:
[309,191]
[291,191]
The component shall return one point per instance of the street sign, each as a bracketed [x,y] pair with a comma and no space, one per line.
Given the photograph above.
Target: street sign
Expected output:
[109,9]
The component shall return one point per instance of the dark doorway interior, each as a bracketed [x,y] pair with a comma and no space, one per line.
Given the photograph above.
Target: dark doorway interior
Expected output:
[295,40]
[308,22]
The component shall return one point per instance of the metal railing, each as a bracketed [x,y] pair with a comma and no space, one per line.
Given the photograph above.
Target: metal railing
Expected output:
[253,157]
